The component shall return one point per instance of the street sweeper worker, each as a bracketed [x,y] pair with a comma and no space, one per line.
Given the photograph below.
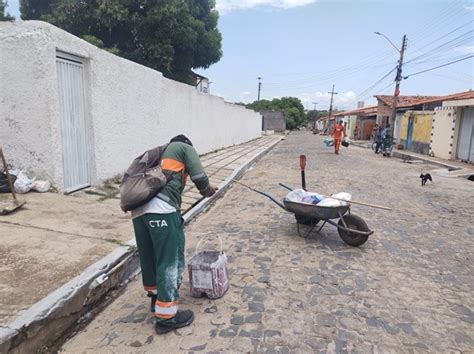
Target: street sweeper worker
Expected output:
[338,134]
[159,233]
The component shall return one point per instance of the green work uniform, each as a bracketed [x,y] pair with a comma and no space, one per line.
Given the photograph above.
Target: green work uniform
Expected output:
[160,236]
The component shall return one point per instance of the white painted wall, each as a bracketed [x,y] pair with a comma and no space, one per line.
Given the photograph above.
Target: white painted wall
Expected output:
[131,108]
[442,142]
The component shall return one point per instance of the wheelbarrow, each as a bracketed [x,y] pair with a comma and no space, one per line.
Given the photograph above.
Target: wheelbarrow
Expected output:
[351,228]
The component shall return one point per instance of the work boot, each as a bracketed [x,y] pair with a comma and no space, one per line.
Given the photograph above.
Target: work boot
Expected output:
[183,318]
[153,301]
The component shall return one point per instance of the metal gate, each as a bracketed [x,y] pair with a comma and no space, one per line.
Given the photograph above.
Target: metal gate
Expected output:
[465,148]
[73,122]
[410,127]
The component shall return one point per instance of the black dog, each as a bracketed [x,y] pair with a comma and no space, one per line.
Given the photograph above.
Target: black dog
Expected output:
[425,178]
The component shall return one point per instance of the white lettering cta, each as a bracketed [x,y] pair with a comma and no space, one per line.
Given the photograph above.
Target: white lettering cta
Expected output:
[157,223]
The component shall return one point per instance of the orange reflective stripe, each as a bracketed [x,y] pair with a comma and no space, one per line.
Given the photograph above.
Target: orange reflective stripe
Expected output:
[172,165]
[166,304]
[149,287]
[167,317]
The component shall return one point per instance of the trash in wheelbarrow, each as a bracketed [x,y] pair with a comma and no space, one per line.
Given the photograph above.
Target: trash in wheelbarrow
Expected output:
[302,196]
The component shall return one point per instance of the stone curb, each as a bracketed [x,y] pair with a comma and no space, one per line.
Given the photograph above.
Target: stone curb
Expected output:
[48,319]
[402,155]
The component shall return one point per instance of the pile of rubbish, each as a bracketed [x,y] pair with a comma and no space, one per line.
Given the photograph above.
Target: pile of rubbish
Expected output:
[302,196]
[22,183]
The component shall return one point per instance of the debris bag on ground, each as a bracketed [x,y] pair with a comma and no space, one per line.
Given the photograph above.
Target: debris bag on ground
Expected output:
[41,186]
[208,273]
[4,186]
[22,184]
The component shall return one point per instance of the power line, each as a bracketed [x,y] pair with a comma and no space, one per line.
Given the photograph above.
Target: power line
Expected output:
[437,67]
[367,90]
[446,35]
[441,46]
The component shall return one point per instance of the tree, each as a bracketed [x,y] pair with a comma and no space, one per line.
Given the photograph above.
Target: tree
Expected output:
[292,109]
[312,116]
[5,16]
[172,36]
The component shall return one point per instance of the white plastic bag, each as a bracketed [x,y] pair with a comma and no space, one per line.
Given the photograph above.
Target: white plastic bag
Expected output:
[301,196]
[22,184]
[41,186]
[330,202]
[296,195]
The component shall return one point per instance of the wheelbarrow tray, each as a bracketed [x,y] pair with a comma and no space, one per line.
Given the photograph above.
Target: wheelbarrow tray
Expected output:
[315,211]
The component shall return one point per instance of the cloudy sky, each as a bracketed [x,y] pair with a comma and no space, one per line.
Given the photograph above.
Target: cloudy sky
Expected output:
[302,47]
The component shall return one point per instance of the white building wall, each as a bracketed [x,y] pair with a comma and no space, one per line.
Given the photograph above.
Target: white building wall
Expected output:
[443,131]
[28,100]
[131,107]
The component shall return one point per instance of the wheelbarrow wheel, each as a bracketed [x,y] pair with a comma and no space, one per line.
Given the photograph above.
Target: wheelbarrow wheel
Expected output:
[353,222]
[306,220]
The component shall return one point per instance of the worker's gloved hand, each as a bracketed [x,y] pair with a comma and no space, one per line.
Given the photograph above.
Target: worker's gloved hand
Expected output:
[213,191]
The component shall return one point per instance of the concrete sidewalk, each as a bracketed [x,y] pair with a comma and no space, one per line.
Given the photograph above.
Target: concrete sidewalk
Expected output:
[408,289]
[56,237]
[454,168]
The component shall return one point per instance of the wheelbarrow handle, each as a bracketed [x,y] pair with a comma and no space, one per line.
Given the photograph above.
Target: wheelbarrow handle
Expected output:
[285,186]
[273,199]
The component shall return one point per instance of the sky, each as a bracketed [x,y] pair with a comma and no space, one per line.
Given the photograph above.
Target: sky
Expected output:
[301,48]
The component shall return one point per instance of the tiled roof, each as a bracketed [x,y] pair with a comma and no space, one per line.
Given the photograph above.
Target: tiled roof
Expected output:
[365,111]
[459,96]
[407,101]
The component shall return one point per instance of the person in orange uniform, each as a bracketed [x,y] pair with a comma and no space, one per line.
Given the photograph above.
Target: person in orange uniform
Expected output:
[338,134]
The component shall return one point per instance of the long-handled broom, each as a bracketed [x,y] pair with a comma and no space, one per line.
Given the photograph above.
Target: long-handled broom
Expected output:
[15,204]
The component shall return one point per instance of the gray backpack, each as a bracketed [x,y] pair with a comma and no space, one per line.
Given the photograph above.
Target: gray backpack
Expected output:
[143,179]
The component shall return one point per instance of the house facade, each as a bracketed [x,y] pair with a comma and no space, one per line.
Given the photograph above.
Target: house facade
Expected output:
[415,131]
[273,121]
[202,83]
[453,128]
[359,123]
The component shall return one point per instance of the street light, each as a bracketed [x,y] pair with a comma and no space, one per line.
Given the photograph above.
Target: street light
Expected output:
[388,39]
[398,78]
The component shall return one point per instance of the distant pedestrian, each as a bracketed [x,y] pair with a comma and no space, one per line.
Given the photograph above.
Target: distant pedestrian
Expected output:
[386,138]
[158,227]
[378,138]
[338,134]
[356,133]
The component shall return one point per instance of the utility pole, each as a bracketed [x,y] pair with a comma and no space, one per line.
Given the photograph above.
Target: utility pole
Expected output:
[259,87]
[398,78]
[315,115]
[209,87]
[330,105]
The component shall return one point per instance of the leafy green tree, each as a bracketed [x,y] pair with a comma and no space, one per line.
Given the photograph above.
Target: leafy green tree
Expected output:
[292,109]
[312,116]
[172,36]
[5,16]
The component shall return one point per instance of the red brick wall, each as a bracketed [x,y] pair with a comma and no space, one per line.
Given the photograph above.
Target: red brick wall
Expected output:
[383,112]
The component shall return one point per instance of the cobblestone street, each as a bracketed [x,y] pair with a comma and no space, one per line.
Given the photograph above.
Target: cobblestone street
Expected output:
[408,289]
